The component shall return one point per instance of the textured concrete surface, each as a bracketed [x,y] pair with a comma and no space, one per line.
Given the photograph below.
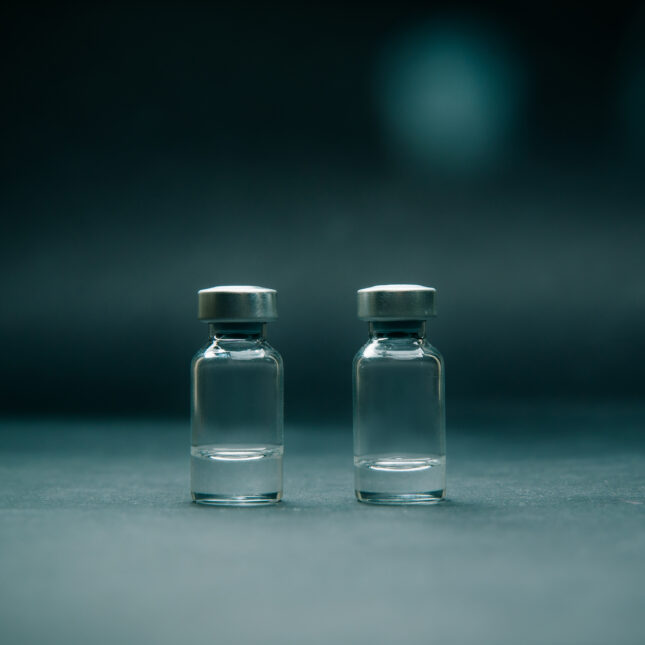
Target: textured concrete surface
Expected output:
[542,539]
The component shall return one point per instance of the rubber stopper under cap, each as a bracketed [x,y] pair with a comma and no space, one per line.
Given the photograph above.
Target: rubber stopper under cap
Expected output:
[237,304]
[396,302]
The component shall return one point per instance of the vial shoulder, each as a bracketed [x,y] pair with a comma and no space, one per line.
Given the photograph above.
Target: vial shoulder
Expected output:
[432,352]
[271,353]
[397,349]
[237,350]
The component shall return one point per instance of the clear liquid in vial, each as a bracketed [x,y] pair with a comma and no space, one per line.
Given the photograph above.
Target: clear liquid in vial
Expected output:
[236,475]
[400,479]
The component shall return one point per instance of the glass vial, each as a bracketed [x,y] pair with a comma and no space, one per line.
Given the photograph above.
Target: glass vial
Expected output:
[399,416]
[237,401]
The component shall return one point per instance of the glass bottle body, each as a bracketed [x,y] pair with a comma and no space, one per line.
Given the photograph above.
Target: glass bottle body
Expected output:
[399,417]
[237,418]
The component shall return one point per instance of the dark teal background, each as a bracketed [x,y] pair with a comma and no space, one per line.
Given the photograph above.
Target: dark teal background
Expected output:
[150,150]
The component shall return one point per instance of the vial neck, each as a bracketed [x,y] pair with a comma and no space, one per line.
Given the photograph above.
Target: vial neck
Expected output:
[233,331]
[398,329]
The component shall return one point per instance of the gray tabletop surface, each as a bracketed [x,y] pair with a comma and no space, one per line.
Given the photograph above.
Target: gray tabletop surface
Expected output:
[542,539]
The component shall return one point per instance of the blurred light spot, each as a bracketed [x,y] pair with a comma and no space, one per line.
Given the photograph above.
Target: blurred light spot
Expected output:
[447,95]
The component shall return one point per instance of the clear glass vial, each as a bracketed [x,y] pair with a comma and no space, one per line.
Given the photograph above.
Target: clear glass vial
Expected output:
[237,400]
[399,416]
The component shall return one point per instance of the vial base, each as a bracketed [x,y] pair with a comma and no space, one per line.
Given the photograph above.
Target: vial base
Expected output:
[400,479]
[240,500]
[234,475]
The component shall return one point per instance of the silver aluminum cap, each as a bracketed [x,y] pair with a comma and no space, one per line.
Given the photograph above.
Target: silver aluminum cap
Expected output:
[396,302]
[235,303]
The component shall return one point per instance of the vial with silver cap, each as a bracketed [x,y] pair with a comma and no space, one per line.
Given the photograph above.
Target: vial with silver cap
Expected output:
[399,416]
[237,400]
